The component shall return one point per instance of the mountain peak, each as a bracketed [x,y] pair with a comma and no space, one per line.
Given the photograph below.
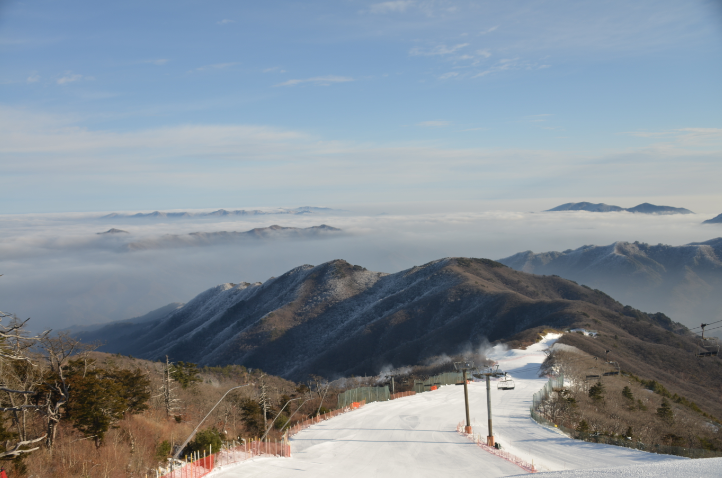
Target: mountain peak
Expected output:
[714,220]
[644,208]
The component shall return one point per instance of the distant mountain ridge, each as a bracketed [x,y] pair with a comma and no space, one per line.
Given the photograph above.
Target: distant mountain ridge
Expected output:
[224,237]
[684,281]
[337,318]
[714,220]
[221,213]
[644,208]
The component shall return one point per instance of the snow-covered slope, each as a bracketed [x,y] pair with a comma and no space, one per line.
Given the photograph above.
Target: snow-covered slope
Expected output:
[707,467]
[416,436]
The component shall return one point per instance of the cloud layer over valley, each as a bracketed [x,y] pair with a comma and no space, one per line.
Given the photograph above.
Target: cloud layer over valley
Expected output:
[59,271]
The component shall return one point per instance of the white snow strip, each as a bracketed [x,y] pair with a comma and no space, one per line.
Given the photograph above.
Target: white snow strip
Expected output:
[705,467]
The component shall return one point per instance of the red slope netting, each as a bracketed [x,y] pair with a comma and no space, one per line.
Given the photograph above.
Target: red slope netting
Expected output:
[394,396]
[318,419]
[228,456]
[524,465]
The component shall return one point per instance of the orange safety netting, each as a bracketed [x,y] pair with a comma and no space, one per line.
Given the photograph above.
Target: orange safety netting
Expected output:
[524,465]
[394,396]
[199,467]
[319,418]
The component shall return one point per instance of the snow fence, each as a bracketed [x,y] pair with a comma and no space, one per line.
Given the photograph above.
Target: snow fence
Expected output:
[366,394]
[448,378]
[554,383]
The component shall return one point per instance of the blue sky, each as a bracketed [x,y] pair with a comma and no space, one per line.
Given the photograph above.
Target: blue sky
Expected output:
[510,105]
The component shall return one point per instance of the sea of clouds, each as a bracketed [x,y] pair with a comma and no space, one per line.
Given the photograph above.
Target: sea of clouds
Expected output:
[59,272]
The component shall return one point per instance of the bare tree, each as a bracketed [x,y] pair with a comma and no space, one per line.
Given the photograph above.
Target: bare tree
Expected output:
[167,390]
[57,351]
[20,377]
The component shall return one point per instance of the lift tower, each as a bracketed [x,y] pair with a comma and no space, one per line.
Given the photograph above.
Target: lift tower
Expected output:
[464,366]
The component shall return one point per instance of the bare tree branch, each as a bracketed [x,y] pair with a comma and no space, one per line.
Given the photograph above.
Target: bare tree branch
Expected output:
[15,451]
[3,389]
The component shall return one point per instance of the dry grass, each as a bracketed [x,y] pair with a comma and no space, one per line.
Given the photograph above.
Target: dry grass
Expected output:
[613,414]
[131,448]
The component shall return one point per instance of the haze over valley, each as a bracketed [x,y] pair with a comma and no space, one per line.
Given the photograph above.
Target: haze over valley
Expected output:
[60,272]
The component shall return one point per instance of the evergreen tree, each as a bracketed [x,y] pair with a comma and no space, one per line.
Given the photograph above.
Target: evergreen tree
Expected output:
[627,393]
[208,440]
[95,405]
[665,412]
[583,427]
[185,373]
[99,398]
[134,389]
[596,392]
[252,417]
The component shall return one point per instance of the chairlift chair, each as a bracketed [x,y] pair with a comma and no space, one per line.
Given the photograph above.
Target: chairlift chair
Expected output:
[505,383]
[709,347]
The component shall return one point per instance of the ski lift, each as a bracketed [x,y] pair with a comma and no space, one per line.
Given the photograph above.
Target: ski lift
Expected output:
[709,346]
[505,383]
[613,372]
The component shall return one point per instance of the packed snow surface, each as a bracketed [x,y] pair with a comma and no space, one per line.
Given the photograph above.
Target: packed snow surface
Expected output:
[417,436]
[705,467]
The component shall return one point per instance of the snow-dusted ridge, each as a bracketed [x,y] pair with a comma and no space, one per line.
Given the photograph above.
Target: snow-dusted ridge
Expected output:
[339,319]
[681,281]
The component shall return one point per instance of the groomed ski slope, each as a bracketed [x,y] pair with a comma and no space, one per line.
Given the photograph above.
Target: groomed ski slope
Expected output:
[417,435]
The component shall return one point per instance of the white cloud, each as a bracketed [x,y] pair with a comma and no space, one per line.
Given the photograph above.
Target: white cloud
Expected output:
[537,118]
[684,136]
[34,78]
[488,30]
[391,7]
[433,124]
[508,64]
[448,75]
[274,69]
[485,53]
[317,80]
[69,78]
[225,21]
[216,66]
[437,50]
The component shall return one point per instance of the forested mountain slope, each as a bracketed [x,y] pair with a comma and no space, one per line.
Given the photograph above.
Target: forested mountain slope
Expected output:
[683,281]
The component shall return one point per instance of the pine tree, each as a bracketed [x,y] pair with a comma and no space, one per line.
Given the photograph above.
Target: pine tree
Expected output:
[596,392]
[95,404]
[583,427]
[252,418]
[665,412]
[184,373]
[627,393]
